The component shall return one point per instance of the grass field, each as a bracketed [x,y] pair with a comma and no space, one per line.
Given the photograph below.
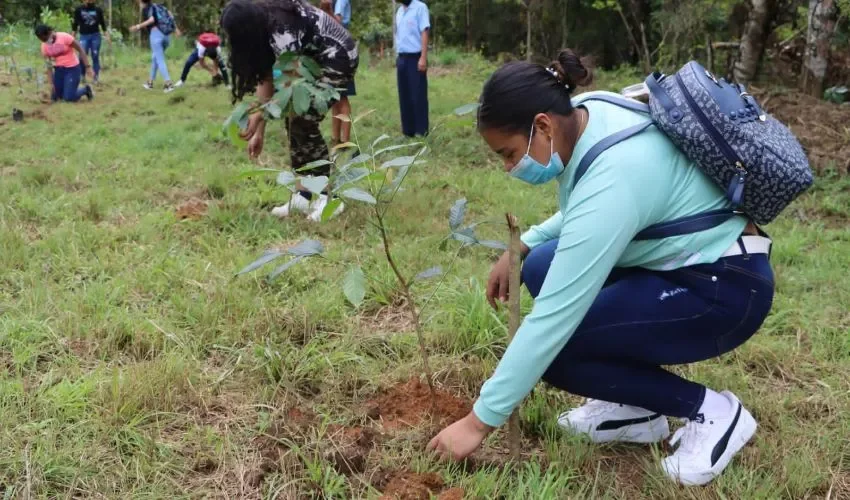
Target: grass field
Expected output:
[134,364]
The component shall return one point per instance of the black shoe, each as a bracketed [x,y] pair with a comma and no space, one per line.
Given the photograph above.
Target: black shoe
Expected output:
[89,92]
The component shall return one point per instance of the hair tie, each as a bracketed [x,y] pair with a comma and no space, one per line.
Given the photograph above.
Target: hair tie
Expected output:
[554,73]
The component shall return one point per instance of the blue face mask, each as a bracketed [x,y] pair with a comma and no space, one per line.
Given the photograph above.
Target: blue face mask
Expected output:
[532,171]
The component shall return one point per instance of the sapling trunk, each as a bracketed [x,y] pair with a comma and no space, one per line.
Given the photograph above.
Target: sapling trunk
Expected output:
[17,75]
[514,253]
[411,305]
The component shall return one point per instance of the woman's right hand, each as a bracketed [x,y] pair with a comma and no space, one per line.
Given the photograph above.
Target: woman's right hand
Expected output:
[497,284]
[254,134]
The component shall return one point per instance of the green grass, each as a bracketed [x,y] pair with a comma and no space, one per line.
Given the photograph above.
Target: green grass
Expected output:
[134,364]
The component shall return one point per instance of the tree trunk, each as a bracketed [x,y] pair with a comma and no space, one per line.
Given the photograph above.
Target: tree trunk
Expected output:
[753,40]
[528,29]
[468,26]
[822,17]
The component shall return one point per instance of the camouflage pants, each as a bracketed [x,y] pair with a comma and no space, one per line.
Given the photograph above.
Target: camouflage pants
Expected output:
[306,143]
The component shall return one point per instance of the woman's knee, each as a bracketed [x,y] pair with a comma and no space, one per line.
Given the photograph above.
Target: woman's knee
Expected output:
[536,266]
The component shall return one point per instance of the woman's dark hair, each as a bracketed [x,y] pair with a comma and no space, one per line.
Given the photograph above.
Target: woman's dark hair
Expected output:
[42,30]
[247,25]
[518,91]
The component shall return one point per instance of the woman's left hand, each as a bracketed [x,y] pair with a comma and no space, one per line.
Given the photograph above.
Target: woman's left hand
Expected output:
[134,28]
[460,439]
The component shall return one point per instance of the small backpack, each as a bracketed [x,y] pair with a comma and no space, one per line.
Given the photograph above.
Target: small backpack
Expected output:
[724,131]
[164,20]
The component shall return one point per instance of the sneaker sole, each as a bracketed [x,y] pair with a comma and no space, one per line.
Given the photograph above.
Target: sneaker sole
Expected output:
[744,431]
[653,431]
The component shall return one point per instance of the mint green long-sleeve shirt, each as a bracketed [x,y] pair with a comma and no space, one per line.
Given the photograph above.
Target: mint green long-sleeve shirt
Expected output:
[632,185]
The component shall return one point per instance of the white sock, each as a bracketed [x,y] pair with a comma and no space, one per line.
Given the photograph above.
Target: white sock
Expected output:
[714,404]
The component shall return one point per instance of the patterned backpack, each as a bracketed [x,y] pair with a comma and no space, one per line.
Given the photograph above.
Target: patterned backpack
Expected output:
[723,130]
[164,20]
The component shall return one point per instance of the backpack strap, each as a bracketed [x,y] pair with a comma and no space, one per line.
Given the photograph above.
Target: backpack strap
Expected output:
[677,227]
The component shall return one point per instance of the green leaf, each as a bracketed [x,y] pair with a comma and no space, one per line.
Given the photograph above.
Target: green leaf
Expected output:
[466,239]
[497,245]
[350,176]
[286,58]
[361,158]
[285,178]
[393,148]
[233,133]
[320,104]
[300,99]
[279,270]
[359,195]
[354,286]
[315,184]
[429,273]
[345,145]
[379,140]
[307,248]
[257,172]
[457,213]
[330,208]
[311,65]
[267,257]
[238,113]
[314,164]
[466,109]
[401,161]
[304,72]
[273,109]
[284,97]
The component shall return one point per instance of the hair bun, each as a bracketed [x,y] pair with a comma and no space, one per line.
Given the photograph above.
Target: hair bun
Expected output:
[571,70]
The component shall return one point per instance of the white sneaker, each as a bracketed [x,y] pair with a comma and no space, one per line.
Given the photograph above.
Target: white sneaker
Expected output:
[318,206]
[169,87]
[604,422]
[148,85]
[179,84]
[297,203]
[708,443]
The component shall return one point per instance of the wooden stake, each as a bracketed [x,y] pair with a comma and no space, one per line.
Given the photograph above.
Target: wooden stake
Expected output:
[514,251]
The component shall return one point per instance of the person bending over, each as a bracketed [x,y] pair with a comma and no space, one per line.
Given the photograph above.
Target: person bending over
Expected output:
[63,54]
[207,45]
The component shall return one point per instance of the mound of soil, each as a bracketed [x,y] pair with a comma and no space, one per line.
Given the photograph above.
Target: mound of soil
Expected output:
[351,448]
[192,209]
[820,126]
[410,403]
[408,485]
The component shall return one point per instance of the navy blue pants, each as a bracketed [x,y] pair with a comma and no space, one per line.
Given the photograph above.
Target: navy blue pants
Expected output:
[91,46]
[66,84]
[644,319]
[194,58]
[412,95]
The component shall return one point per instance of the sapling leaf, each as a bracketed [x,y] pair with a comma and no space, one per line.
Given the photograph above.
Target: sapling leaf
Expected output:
[401,161]
[466,109]
[359,195]
[321,104]
[393,148]
[464,238]
[274,109]
[300,99]
[311,65]
[349,176]
[429,273]
[285,178]
[233,132]
[361,158]
[286,58]
[314,164]
[330,208]
[497,245]
[267,257]
[457,214]
[284,97]
[315,184]
[306,248]
[344,145]
[257,172]
[354,286]
[344,118]
[363,115]
[305,73]
[280,269]
[380,139]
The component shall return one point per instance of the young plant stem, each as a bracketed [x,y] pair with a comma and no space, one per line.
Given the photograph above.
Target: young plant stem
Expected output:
[17,75]
[514,252]
[411,305]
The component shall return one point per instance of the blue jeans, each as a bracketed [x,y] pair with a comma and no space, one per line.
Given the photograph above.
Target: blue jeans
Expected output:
[159,43]
[91,45]
[644,319]
[66,84]
[412,95]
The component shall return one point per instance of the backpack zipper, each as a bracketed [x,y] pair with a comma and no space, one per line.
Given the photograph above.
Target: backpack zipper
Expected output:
[728,152]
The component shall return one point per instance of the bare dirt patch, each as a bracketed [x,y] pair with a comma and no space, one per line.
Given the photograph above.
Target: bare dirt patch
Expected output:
[406,485]
[193,208]
[350,448]
[410,404]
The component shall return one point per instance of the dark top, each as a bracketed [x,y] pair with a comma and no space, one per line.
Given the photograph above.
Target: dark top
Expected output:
[300,27]
[88,20]
[147,13]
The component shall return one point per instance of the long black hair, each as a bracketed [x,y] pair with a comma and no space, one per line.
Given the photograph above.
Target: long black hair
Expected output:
[518,91]
[248,27]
